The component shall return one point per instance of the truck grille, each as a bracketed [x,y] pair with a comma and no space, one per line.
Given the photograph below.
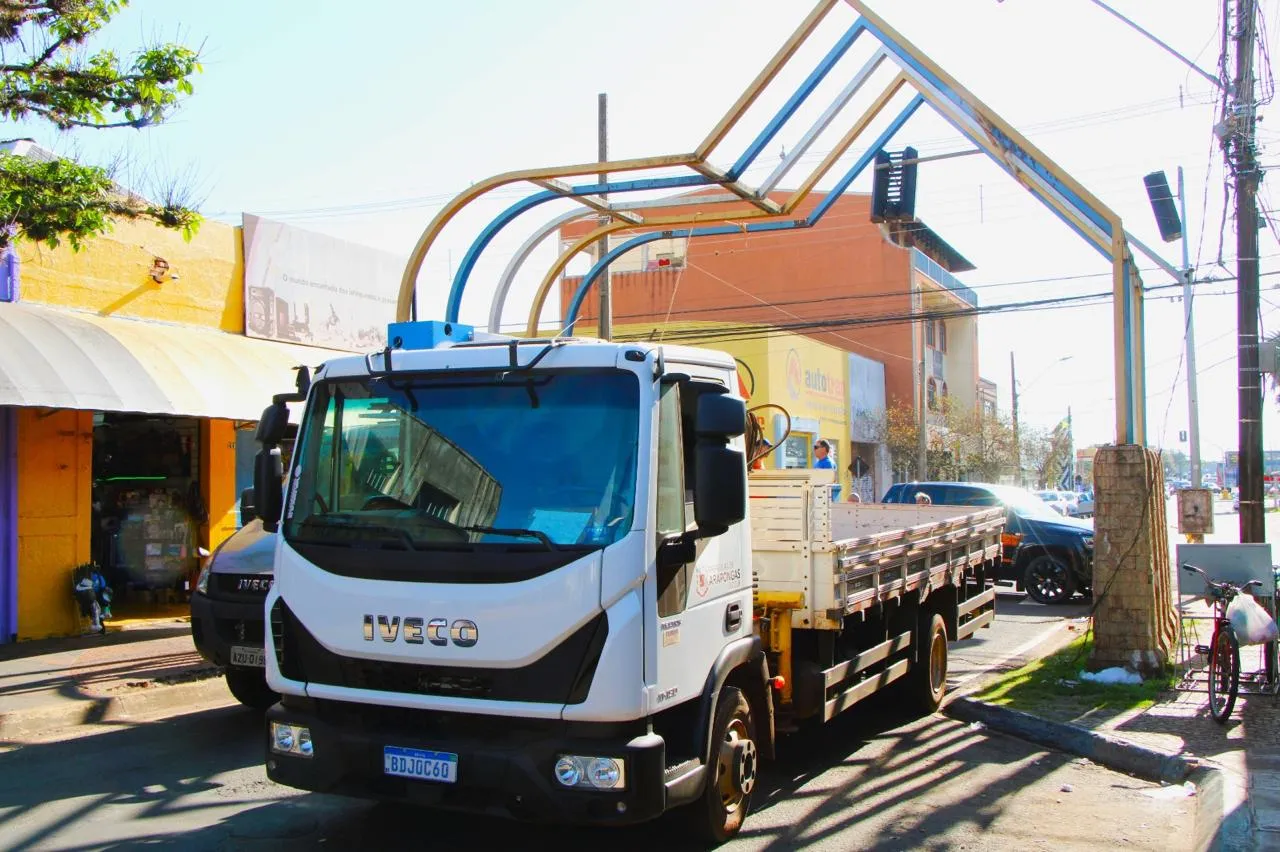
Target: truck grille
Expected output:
[561,676]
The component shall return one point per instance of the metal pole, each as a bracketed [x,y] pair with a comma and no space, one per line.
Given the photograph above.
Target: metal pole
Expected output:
[922,453]
[1248,376]
[1017,442]
[1193,400]
[606,281]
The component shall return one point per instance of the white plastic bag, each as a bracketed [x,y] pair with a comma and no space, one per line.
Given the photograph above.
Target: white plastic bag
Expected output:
[1253,624]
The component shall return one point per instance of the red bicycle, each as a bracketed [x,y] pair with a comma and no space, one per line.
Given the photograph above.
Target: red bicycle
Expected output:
[1224,648]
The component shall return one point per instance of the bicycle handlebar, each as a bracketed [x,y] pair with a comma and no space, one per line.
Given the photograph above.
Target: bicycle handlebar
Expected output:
[1222,586]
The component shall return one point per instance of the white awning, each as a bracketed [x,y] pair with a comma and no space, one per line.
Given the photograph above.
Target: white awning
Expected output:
[56,358]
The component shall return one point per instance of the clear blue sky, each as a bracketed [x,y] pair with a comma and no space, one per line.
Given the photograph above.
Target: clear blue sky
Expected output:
[362,125]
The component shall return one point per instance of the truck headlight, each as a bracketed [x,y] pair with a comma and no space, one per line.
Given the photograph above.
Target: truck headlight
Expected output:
[291,739]
[598,773]
[1088,542]
[202,582]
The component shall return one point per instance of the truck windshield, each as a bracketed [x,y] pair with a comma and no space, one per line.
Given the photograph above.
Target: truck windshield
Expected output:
[537,462]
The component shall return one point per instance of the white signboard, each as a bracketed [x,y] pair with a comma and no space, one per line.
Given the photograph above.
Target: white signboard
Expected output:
[310,288]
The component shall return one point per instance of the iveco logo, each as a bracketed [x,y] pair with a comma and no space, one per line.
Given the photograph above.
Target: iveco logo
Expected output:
[416,631]
[254,584]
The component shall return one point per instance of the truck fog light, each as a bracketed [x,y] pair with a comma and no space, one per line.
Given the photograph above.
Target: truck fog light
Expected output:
[567,771]
[590,772]
[291,739]
[604,773]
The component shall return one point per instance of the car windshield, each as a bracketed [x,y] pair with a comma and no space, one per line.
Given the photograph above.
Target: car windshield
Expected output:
[1025,503]
[541,461]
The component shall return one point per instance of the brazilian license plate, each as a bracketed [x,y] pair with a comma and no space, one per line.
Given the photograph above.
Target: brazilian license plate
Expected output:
[438,766]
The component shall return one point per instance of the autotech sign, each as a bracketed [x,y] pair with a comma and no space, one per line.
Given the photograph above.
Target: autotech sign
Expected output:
[813,381]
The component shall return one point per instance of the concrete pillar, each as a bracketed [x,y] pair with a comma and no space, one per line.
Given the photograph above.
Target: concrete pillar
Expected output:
[1135,623]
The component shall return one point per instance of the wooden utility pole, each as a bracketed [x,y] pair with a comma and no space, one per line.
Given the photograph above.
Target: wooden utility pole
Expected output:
[1242,160]
[606,280]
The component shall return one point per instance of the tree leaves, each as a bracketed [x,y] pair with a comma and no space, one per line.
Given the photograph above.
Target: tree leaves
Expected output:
[47,73]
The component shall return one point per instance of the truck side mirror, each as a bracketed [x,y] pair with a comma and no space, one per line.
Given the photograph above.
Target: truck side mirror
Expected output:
[248,506]
[268,488]
[720,497]
[273,424]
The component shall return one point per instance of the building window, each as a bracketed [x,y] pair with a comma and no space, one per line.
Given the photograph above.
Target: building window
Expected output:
[932,389]
[928,333]
[942,336]
[944,390]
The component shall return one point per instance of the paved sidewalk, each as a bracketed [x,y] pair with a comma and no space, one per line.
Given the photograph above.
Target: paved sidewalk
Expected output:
[60,683]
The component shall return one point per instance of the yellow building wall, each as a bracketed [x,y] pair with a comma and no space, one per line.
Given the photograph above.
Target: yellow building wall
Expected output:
[111,275]
[55,463]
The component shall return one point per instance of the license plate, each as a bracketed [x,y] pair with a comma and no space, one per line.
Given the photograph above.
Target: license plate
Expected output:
[242,655]
[424,765]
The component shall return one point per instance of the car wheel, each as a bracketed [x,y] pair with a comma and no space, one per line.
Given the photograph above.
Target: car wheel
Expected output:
[1048,580]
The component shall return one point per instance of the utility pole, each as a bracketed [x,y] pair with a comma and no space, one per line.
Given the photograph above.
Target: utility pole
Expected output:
[1017,443]
[922,434]
[1241,158]
[1193,401]
[606,280]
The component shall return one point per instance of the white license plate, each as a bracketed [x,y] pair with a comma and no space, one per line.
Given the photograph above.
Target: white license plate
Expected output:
[242,655]
[416,763]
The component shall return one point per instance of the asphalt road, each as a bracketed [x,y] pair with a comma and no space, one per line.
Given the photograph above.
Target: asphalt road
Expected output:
[872,779]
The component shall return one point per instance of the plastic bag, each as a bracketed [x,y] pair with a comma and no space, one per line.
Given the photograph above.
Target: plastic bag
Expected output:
[1253,624]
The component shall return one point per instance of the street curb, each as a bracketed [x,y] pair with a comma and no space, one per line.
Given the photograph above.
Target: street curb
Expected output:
[1215,828]
[31,722]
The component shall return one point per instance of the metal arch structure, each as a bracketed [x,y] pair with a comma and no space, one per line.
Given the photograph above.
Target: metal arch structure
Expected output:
[1079,209]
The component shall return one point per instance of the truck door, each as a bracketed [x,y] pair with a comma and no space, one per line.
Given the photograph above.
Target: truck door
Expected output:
[695,601]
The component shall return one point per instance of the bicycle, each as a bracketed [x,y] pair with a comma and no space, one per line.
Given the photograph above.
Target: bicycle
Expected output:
[1224,647]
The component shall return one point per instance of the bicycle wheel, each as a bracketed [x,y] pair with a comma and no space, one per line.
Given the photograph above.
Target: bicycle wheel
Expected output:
[1224,673]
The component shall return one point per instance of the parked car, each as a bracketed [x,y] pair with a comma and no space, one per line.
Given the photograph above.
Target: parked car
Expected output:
[1084,505]
[1059,501]
[227,623]
[1047,555]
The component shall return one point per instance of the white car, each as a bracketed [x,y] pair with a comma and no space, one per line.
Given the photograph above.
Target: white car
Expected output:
[1060,501]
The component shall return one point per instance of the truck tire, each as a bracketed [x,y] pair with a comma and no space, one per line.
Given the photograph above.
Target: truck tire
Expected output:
[731,775]
[249,686]
[1048,580]
[927,680]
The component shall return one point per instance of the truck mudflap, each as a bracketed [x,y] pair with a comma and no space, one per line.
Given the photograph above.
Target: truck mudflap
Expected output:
[503,765]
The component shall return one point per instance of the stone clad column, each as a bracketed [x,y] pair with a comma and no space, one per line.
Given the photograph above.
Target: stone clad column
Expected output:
[1135,622]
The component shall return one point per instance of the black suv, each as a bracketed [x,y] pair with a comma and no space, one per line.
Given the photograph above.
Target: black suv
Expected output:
[1048,555]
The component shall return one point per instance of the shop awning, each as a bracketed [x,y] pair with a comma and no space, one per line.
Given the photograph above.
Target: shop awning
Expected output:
[55,358]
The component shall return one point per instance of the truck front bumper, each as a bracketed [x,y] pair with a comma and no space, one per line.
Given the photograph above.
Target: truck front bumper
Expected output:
[218,625]
[505,765]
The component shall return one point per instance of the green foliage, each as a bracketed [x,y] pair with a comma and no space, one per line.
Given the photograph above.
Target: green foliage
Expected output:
[1052,687]
[48,73]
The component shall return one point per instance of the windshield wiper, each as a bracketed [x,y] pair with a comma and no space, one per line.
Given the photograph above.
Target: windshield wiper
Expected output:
[540,536]
[354,526]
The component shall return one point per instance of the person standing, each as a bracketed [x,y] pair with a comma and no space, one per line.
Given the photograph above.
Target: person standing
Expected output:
[823,461]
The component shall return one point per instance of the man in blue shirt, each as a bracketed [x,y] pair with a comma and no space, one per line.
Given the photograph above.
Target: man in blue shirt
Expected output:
[822,454]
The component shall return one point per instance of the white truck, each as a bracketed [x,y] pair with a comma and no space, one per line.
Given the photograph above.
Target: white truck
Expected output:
[578,606]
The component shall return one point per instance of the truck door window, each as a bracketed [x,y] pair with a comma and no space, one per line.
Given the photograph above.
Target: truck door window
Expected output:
[672,583]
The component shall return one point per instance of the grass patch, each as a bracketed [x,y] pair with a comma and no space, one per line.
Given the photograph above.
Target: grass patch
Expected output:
[1051,687]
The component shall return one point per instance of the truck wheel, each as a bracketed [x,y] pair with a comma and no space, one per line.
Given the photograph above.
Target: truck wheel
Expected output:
[927,680]
[1048,580]
[731,776]
[249,686]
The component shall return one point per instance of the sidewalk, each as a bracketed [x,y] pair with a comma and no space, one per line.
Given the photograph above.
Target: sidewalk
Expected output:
[61,683]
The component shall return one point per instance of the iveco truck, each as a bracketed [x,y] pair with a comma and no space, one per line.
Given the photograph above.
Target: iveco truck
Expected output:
[535,578]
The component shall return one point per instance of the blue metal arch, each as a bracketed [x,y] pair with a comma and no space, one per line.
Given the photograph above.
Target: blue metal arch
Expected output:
[1006,144]
[453,306]
[588,280]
